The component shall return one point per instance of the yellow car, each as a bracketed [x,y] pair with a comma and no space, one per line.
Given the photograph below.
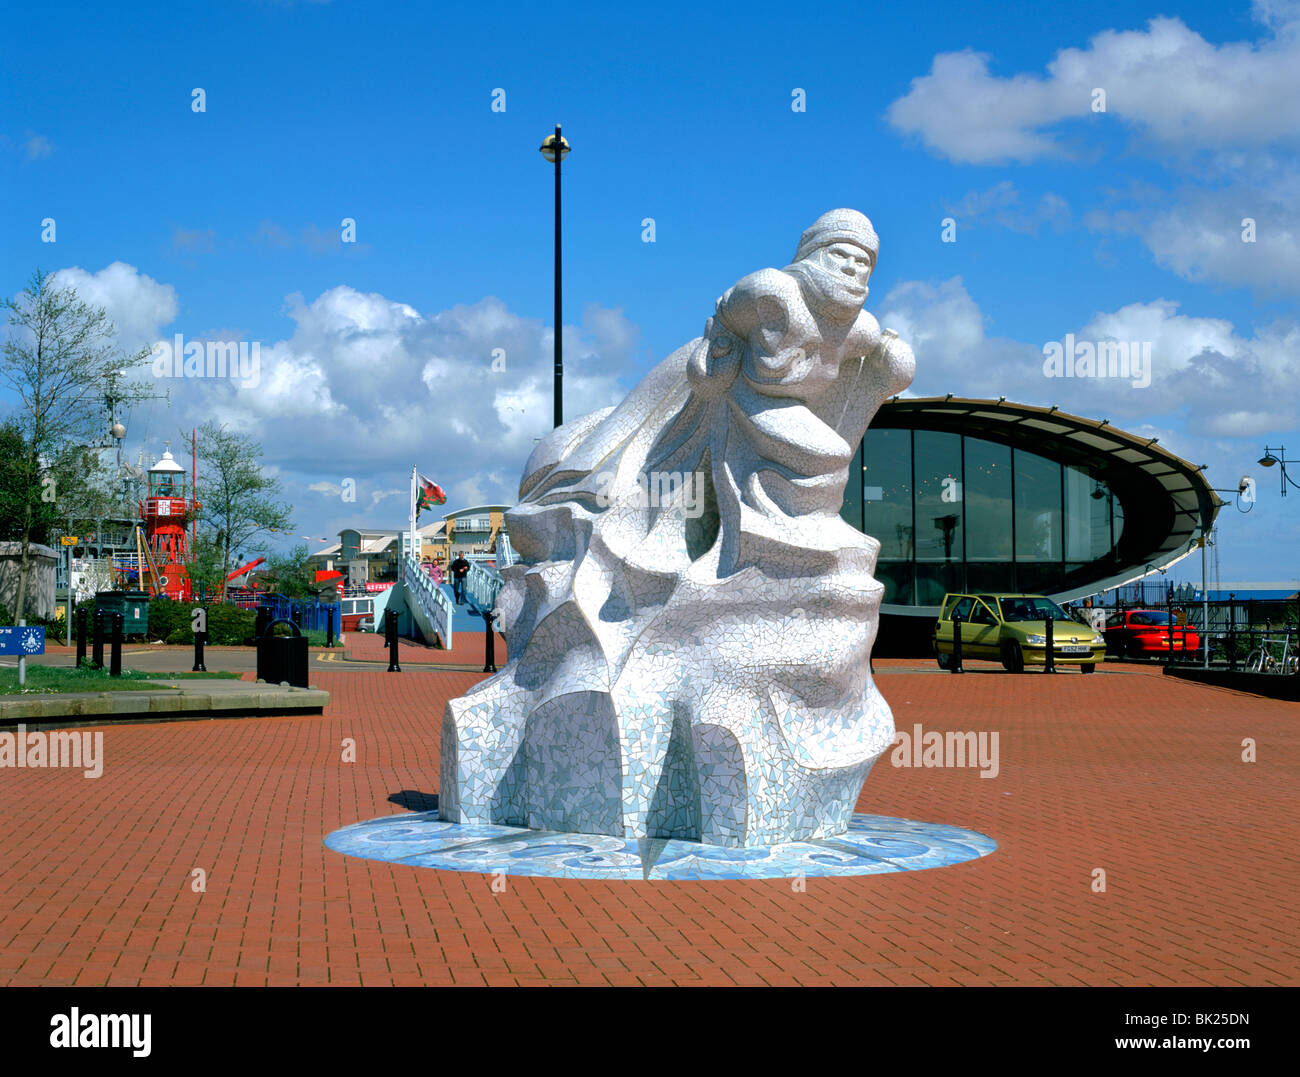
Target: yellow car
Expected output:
[1013,630]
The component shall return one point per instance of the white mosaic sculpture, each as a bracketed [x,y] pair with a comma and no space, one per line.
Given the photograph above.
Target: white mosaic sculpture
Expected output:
[690,625]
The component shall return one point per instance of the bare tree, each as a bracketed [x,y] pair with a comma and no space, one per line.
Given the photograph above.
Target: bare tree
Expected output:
[58,359]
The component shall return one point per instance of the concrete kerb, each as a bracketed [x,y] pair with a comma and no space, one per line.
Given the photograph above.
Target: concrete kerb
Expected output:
[164,701]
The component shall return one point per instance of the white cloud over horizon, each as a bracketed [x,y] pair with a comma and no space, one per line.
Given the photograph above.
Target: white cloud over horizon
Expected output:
[365,386]
[961,111]
[1228,133]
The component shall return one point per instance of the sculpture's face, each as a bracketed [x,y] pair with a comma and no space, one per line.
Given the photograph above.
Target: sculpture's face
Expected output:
[834,279]
[850,268]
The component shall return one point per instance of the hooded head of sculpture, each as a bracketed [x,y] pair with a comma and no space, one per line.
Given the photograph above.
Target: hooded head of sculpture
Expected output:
[834,261]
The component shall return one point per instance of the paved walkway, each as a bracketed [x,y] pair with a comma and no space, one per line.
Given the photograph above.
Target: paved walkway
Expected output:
[1135,774]
[467,650]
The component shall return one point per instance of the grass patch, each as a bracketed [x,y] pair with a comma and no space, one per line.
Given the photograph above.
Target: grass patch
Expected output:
[43,680]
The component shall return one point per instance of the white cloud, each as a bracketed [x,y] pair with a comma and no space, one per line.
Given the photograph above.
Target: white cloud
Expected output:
[1246,234]
[367,386]
[137,304]
[1166,83]
[1002,205]
[1205,374]
[377,496]
[37,146]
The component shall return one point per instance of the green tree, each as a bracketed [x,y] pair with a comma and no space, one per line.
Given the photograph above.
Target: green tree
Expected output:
[59,358]
[21,508]
[240,501]
[204,566]
[291,574]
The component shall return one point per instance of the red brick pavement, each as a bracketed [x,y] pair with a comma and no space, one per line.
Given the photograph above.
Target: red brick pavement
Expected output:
[1134,774]
[467,649]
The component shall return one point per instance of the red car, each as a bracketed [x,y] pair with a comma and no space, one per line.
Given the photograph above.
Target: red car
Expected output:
[1145,634]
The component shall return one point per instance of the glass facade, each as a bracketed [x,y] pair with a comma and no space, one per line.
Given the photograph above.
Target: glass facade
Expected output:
[959,513]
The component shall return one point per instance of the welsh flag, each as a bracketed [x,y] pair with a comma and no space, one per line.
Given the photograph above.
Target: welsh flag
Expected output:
[430,494]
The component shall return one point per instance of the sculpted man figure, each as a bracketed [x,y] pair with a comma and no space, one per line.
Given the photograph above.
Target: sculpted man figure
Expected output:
[695,664]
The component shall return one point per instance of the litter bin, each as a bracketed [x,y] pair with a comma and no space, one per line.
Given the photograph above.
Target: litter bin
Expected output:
[282,658]
[132,605]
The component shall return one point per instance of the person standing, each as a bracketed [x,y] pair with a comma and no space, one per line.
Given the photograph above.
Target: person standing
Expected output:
[459,570]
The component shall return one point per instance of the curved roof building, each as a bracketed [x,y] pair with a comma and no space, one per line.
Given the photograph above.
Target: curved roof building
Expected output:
[985,495]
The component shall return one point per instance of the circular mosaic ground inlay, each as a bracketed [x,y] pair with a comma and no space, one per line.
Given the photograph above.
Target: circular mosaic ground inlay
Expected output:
[873,845]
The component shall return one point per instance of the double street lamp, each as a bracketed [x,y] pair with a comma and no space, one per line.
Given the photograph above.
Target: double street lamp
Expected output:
[1268,460]
[555,149]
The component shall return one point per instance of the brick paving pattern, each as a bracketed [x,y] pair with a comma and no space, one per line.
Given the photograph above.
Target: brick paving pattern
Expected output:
[1135,774]
[467,649]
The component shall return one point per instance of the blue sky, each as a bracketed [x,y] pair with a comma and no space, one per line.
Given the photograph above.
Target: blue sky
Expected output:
[376,355]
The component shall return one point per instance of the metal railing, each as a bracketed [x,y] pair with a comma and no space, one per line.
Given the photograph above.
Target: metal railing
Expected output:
[482,585]
[423,591]
[506,554]
[1236,631]
[308,614]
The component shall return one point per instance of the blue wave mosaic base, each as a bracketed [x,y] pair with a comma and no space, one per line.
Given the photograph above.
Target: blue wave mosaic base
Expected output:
[873,845]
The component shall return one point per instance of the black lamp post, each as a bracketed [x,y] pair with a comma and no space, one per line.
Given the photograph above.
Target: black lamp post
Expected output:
[555,148]
[1268,460]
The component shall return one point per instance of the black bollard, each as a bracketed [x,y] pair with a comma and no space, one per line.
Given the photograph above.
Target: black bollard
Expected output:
[115,655]
[263,619]
[329,626]
[956,644]
[489,650]
[1049,662]
[200,638]
[81,636]
[390,631]
[1169,612]
[97,640]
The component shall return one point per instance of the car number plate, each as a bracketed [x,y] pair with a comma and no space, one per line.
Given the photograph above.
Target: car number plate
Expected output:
[1076,650]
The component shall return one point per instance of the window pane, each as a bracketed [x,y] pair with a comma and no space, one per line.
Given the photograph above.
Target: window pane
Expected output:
[851,510]
[988,502]
[1038,509]
[938,496]
[1087,516]
[887,492]
[935,579]
[989,576]
[1039,577]
[897,577]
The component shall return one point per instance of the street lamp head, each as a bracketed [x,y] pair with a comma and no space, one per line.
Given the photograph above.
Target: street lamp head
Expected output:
[1267,460]
[548,147]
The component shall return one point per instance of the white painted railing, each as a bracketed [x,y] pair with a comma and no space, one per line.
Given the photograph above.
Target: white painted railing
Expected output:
[482,585]
[506,555]
[422,591]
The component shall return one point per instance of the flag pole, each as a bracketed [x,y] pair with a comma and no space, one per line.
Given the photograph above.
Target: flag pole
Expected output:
[414,552]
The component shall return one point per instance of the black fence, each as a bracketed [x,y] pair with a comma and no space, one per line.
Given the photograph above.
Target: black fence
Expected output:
[1258,635]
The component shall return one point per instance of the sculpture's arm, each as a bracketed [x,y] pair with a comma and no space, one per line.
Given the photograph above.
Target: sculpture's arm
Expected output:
[752,317]
[899,363]
[761,311]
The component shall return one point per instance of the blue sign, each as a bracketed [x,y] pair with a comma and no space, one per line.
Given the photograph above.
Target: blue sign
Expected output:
[22,639]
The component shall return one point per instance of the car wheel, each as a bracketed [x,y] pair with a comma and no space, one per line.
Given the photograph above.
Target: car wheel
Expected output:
[1013,659]
[1088,667]
[944,660]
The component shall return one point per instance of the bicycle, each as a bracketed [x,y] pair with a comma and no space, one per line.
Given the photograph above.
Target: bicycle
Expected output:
[1263,660]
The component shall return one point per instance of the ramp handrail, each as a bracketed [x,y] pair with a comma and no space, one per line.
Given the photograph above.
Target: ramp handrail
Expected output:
[506,554]
[482,586]
[422,590]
